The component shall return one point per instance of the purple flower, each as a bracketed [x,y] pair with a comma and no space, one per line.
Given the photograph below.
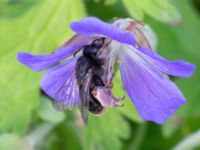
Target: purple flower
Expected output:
[143,71]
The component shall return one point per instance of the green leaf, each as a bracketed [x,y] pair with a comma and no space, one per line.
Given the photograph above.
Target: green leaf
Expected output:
[161,10]
[134,8]
[106,132]
[110,2]
[40,29]
[14,142]
[68,136]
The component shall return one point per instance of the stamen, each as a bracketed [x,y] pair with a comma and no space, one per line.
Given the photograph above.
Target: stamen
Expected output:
[141,37]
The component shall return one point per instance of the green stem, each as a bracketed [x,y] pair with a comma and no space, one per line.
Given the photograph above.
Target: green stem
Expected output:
[39,133]
[139,136]
[189,142]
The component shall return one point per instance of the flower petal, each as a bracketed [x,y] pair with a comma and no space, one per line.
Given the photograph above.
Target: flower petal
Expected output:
[40,62]
[60,84]
[176,68]
[154,95]
[92,26]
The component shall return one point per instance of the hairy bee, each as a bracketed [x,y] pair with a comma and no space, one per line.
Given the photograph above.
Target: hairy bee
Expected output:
[89,72]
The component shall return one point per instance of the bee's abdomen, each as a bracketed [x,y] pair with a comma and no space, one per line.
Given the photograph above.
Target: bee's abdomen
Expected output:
[95,107]
[83,65]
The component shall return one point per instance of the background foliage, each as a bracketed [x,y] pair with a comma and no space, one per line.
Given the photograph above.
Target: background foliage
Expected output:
[40,26]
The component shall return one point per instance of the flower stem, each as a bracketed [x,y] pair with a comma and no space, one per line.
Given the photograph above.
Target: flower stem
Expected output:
[139,136]
[39,133]
[189,142]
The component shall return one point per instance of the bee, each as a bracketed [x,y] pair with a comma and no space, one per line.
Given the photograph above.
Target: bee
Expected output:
[82,81]
[89,71]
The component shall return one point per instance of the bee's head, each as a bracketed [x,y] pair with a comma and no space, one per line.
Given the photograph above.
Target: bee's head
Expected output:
[98,43]
[92,49]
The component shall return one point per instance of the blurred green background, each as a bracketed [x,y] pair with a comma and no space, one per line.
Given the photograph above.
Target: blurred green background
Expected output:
[27,119]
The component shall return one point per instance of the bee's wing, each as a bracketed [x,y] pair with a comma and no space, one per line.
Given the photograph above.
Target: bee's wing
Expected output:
[60,84]
[85,95]
[76,39]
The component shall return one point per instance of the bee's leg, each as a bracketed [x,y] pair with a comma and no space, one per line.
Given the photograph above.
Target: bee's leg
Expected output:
[100,61]
[113,74]
[77,52]
[94,57]
[98,82]
[97,76]
[109,85]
